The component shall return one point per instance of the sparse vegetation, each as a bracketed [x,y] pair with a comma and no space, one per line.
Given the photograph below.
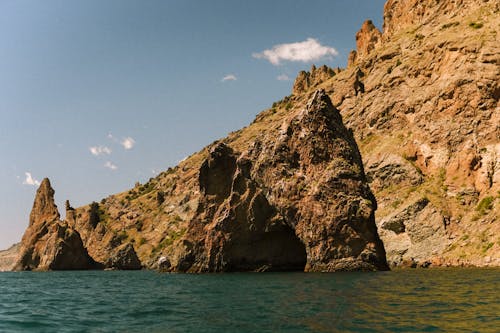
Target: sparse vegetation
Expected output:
[396,203]
[487,246]
[139,225]
[449,25]
[94,218]
[476,25]
[176,219]
[419,36]
[485,205]
[169,240]
[160,197]
[121,236]
[410,158]
[103,215]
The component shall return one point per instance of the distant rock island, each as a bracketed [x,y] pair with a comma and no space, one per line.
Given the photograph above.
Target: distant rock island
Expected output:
[414,121]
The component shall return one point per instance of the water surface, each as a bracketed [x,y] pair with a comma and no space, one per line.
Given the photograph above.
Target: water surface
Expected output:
[438,300]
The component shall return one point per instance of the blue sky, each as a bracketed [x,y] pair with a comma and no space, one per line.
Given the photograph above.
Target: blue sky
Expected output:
[97,95]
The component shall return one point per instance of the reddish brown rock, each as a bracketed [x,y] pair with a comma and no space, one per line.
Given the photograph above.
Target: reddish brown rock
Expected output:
[48,243]
[427,126]
[367,38]
[296,200]
[307,80]
[403,14]
[124,257]
[289,191]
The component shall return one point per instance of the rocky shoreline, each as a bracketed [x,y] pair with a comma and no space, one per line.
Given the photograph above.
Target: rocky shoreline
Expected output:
[412,121]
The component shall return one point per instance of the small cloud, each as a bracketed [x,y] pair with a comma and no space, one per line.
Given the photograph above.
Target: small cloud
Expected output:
[110,166]
[283,77]
[128,143]
[229,77]
[306,51]
[30,180]
[100,150]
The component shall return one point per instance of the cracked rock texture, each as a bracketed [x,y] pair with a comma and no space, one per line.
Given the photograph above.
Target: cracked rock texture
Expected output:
[49,243]
[419,101]
[423,102]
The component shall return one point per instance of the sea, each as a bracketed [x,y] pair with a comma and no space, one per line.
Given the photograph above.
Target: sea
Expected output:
[419,300]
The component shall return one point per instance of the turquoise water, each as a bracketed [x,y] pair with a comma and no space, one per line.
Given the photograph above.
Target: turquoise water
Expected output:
[440,300]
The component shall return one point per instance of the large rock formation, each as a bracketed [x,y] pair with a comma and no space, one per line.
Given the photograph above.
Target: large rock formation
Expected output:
[308,80]
[48,243]
[367,38]
[289,191]
[427,123]
[297,199]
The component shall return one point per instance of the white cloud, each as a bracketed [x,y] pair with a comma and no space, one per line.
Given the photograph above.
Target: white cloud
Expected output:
[110,166]
[229,77]
[306,51]
[30,180]
[128,143]
[282,77]
[100,150]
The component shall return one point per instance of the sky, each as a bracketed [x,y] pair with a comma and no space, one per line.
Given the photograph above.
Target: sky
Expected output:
[97,95]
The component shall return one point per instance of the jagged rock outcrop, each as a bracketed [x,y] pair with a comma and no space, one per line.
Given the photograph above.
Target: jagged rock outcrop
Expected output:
[414,233]
[124,258]
[287,193]
[367,38]
[289,190]
[307,80]
[426,122]
[402,14]
[297,199]
[48,243]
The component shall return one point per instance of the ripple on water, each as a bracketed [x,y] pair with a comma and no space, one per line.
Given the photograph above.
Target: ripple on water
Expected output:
[401,301]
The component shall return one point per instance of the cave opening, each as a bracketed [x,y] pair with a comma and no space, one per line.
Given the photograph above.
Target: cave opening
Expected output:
[275,251]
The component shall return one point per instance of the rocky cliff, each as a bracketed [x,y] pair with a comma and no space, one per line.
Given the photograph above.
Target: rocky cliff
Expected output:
[423,101]
[290,192]
[295,198]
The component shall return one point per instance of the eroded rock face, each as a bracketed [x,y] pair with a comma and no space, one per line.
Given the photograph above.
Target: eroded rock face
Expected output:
[307,80]
[426,122]
[297,200]
[367,38]
[44,208]
[401,14]
[384,170]
[8,257]
[124,258]
[414,234]
[48,243]
[285,192]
